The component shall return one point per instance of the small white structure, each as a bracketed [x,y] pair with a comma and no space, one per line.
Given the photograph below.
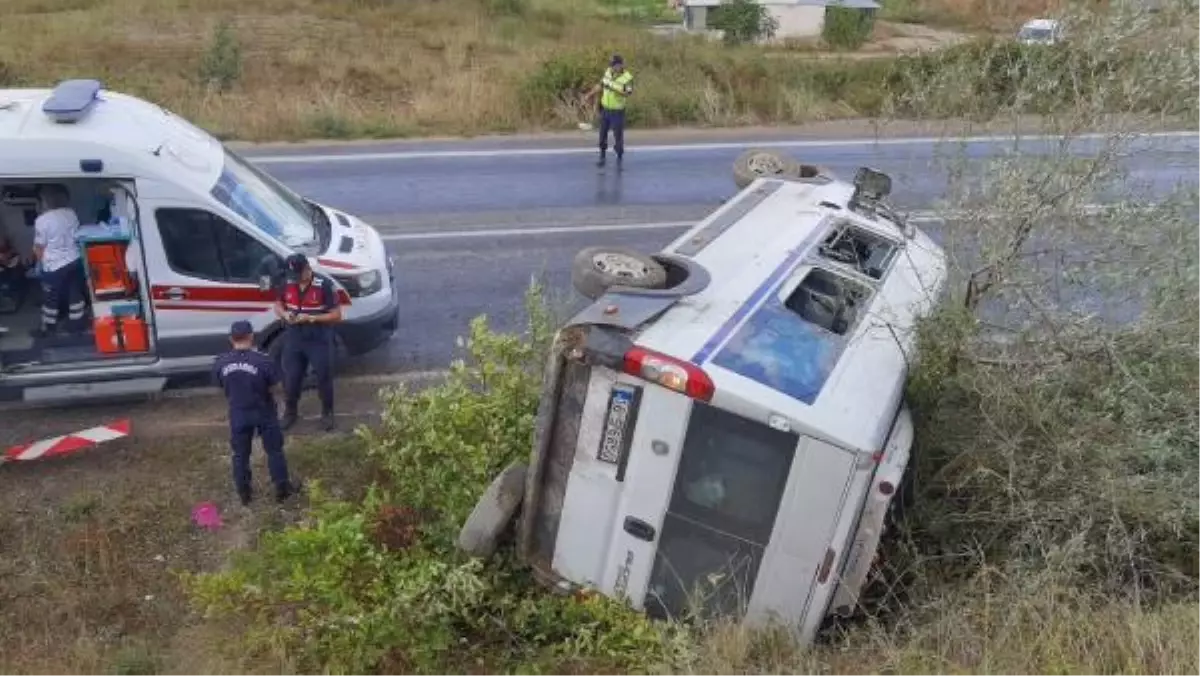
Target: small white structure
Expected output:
[797,18]
[1041,32]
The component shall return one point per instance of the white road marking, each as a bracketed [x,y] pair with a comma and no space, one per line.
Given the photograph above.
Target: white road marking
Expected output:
[915,217]
[549,230]
[353,156]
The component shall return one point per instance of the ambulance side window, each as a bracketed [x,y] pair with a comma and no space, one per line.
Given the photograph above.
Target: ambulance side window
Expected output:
[200,244]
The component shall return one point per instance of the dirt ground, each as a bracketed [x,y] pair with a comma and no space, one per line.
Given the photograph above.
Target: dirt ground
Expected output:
[91,543]
[888,39]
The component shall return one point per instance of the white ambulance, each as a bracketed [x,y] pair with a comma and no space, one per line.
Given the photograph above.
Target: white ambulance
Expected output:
[723,430]
[180,237]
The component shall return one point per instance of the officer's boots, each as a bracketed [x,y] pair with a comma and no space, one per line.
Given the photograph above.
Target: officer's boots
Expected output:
[288,419]
[328,422]
[620,159]
[286,490]
[245,496]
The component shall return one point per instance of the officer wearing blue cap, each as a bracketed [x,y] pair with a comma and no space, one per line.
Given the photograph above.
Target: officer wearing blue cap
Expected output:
[249,379]
[308,307]
[614,88]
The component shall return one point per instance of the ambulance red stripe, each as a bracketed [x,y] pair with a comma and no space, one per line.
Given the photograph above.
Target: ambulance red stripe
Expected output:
[222,294]
[331,263]
[212,308]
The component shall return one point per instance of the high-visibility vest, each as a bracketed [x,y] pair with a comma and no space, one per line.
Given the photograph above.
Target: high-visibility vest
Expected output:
[613,97]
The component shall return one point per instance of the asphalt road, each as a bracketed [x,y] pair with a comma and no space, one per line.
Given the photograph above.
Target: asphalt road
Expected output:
[469,222]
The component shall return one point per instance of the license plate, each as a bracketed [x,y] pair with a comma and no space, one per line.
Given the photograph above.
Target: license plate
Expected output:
[620,406]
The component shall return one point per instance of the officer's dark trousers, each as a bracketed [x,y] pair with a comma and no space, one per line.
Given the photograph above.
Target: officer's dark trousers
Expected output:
[243,425]
[298,355]
[613,120]
[57,286]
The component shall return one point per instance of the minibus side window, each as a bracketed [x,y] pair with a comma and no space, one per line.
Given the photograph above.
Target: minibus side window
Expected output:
[828,300]
[859,250]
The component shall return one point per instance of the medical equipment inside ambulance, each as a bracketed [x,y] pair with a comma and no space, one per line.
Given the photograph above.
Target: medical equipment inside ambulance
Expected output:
[119,324]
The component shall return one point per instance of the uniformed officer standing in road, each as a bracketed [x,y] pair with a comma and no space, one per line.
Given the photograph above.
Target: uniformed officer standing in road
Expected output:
[308,307]
[615,87]
[250,379]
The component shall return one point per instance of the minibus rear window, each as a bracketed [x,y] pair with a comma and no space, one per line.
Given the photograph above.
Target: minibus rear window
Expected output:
[731,478]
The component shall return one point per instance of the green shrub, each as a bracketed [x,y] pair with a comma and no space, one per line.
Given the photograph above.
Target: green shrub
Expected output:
[846,27]
[562,79]
[743,21]
[9,76]
[507,7]
[221,66]
[463,433]
[376,586]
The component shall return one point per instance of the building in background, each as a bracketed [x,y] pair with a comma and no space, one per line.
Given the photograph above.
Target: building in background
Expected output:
[797,18]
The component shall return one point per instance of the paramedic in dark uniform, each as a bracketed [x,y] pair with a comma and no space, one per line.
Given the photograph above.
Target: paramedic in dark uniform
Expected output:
[250,379]
[308,307]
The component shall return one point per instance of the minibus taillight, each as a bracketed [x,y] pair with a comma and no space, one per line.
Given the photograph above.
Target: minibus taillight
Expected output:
[669,372]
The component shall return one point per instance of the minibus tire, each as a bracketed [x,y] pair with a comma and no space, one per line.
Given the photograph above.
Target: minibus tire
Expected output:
[763,163]
[494,512]
[593,283]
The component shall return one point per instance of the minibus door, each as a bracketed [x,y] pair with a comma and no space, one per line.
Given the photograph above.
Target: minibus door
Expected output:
[708,505]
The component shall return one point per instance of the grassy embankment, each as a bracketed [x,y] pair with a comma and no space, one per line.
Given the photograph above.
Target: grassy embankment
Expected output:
[289,69]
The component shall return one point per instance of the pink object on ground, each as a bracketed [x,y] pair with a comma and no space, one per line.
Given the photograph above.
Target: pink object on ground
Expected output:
[206,515]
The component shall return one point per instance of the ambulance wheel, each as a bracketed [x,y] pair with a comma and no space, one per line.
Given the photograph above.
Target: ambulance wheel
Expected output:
[762,163]
[494,512]
[597,268]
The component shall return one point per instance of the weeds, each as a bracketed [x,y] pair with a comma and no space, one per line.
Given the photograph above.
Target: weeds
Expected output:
[296,70]
[222,64]
[744,21]
[847,28]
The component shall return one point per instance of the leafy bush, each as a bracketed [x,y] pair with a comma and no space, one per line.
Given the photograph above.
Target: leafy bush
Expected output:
[561,80]
[221,66]
[507,7]
[443,446]
[8,75]
[376,586]
[846,27]
[743,21]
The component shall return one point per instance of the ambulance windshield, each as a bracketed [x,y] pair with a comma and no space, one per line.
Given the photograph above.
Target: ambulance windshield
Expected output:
[265,202]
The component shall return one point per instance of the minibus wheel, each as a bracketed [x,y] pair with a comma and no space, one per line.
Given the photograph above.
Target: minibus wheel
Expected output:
[762,163]
[495,511]
[597,268]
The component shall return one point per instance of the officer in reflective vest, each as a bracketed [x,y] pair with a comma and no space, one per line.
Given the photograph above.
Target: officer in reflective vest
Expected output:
[614,88]
[308,307]
[249,379]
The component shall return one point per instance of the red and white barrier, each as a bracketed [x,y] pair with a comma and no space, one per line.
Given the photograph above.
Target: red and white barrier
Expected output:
[68,443]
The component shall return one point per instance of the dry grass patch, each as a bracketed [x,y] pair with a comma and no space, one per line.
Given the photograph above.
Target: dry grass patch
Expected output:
[1003,16]
[292,69]
[307,68]
[93,546]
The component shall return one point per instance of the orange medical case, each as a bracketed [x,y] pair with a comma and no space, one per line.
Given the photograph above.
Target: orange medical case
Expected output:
[117,334]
